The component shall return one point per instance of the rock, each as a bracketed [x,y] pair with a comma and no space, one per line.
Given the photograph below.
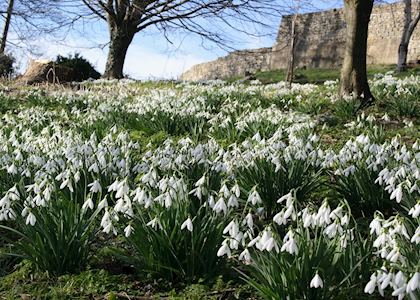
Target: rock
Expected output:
[40,71]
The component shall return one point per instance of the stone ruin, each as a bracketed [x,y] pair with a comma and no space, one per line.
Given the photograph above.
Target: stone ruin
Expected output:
[320,44]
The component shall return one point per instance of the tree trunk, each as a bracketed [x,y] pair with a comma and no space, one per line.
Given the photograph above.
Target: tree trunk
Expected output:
[6,26]
[409,26]
[291,63]
[353,73]
[119,43]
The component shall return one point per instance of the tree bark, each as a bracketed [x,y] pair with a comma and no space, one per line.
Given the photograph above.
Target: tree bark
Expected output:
[353,73]
[6,26]
[120,40]
[409,26]
[291,62]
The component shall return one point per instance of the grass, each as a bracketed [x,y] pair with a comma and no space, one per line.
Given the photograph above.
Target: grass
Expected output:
[102,281]
[24,283]
[317,76]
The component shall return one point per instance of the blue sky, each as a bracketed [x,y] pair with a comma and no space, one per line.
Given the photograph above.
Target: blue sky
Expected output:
[150,55]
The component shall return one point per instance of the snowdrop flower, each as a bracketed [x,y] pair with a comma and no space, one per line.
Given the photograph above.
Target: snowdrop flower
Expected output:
[233,201]
[316,282]
[224,250]
[236,190]
[103,203]
[88,204]
[248,221]
[271,244]
[220,206]
[187,224]
[288,198]
[415,211]
[414,283]
[224,191]
[289,244]
[128,230]
[254,197]
[245,257]
[95,187]
[201,181]
[154,223]
[371,285]
[12,169]
[280,219]
[386,117]
[375,226]
[400,292]
[30,219]
[416,236]
[397,194]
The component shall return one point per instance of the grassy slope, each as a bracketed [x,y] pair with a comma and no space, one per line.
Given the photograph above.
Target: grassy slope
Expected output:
[102,281]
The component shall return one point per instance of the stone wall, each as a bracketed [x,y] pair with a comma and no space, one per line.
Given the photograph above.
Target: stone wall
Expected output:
[238,63]
[320,44]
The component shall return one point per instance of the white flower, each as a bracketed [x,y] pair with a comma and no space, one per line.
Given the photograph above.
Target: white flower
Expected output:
[220,206]
[316,282]
[95,187]
[370,286]
[31,219]
[416,236]
[375,226]
[88,204]
[245,256]
[414,283]
[187,224]
[154,223]
[397,194]
[254,198]
[386,117]
[248,221]
[224,250]
[415,211]
[128,230]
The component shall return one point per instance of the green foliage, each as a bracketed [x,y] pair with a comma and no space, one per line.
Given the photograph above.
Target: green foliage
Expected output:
[346,109]
[6,65]
[275,275]
[59,241]
[363,195]
[272,184]
[168,252]
[82,69]
[152,123]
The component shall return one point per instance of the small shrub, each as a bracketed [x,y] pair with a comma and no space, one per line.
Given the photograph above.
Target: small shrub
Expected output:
[82,68]
[6,65]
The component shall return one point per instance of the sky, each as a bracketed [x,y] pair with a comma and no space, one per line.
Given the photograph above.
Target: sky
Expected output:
[150,55]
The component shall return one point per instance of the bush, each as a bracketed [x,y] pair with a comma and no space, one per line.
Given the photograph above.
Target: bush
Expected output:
[6,65]
[82,68]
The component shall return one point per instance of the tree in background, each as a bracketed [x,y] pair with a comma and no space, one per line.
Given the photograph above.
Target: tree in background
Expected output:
[410,24]
[126,18]
[6,27]
[29,20]
[353,73]
[293,36]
